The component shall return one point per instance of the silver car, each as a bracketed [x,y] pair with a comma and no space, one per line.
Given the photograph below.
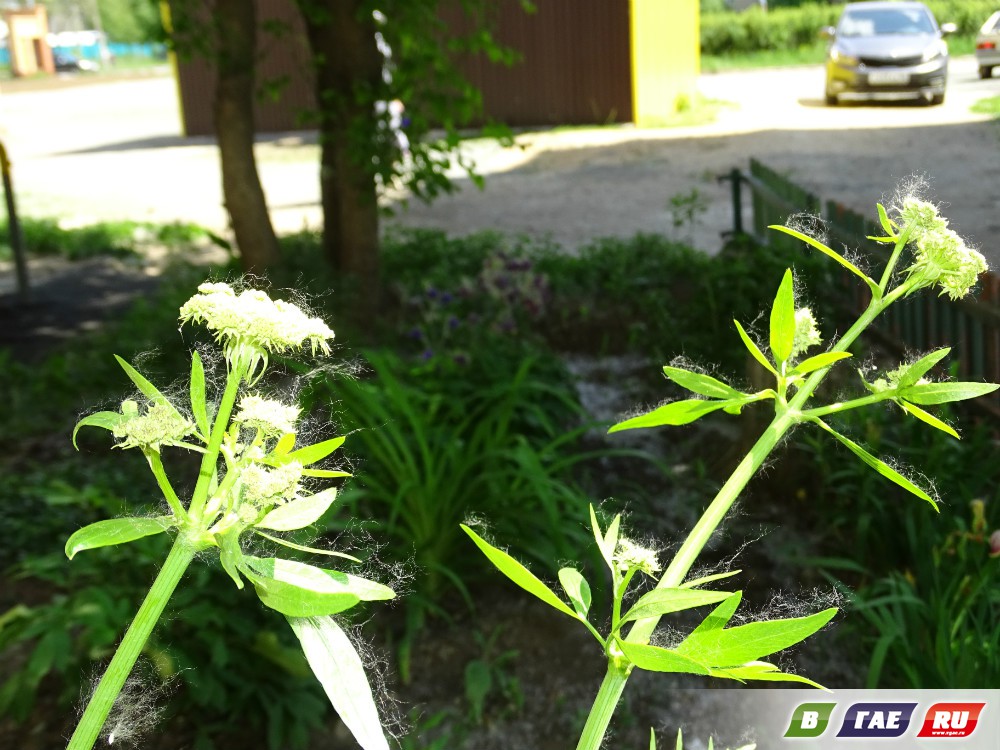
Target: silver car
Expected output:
[988,46]
[887,50]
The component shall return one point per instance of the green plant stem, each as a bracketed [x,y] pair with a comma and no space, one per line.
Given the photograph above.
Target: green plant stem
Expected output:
[103,698]
[614,680]
[156,465]
[211,458]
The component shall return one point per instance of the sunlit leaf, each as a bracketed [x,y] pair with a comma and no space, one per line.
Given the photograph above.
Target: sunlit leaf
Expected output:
[736,646]
[783,320]
[678,413]
[316,452]
[663,601]
[921,367]
[831,254]
[754,349]
[930,419]
[887,224]
[338,667]
[299,590]
[518,573]
[145,387]
[942,393]
[708,579]
[882,468]
[198,406]
[299,513]
[656,659]
[763,672]
[305,548]
[115,531]
[578,590]
[285,444]
[819,362]
[721,615]
[230,554]
[703,385]
[106,420]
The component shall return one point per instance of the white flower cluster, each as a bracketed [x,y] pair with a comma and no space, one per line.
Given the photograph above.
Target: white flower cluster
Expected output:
[631,556]
[941,256]
[264,486]
[160,425]
[251,324]
[271,417]
[806,332]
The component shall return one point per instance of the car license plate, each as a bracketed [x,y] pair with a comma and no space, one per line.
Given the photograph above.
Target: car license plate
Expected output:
[888,78]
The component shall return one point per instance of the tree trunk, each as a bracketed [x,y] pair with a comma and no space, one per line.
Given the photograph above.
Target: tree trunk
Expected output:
[347,66]
[236,38]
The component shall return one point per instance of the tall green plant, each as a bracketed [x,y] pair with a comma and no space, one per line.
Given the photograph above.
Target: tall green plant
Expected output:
[939,259]
[250,483]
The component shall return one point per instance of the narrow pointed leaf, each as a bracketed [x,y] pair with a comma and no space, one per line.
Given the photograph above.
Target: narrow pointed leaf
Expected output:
[916,411]
[708,579]
[922,366]
[942,393]
[764,672]
[115,531]
[145,387]
[285,444]
[721,615]
[106,420]
[611,539]
[885,221]
[677,413]
[299,590]
[829,253]
[754,349]
[819,362]
[882,468]
[518,573]
[578,590]
[783,320]
[304,548]
[325,473]
[656,659]
[230,555]
[731,647]
[652,739]
[299,513]
[599,537]
[664,601]
[703,385]
[340,670]
[198,406]
[317,452]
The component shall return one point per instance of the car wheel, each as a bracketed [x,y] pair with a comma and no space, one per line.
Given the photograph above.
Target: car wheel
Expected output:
[985,71]
[831,99]
[937,99]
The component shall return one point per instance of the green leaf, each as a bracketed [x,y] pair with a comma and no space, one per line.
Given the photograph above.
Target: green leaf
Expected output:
[299,590]
[721,615]
[606,543]
[317,452]
[338,667]
[762,671]
[107,420]
[656,659]
[299,513]
[285,444]
[916,411]
[754,349]
[921,367]
[885,221]
[518,573]
[198,406]
[230,554]
[819,362]
[882,468]
[577,589]
[732,647]
[325,473]
[145,387]
[783,320]
[664,601]
[942,393]
[704,385]
[115,531]
[304,548]
[678,413]
[652,739]
[708,579]
[830,253]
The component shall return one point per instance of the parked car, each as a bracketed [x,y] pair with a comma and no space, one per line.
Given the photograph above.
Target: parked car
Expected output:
[988,46]
[67,63]
[887,50]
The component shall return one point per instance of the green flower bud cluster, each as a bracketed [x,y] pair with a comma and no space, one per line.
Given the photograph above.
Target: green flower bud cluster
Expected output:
[941,257]
[890,381]
[631,556]
[160,425]
[264,486]
[806,331]
[250,324]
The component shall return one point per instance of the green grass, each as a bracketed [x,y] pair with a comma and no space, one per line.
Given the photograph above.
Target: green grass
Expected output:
[988,106]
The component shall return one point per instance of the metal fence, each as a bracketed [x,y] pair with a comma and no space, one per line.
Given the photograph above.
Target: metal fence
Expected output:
[971,327]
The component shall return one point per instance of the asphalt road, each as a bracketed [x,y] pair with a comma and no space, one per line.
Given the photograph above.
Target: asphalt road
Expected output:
[114,150]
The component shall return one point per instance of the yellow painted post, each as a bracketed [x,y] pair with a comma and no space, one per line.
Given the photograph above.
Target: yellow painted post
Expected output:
[666,58]
[168,26]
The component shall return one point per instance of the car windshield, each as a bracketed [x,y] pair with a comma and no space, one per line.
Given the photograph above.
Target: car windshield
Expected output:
[881,21]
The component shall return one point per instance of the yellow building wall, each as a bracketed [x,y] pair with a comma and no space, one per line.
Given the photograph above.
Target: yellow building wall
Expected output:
[666,58]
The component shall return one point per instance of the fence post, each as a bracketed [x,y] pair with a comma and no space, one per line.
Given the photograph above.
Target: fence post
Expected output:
[14,227]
